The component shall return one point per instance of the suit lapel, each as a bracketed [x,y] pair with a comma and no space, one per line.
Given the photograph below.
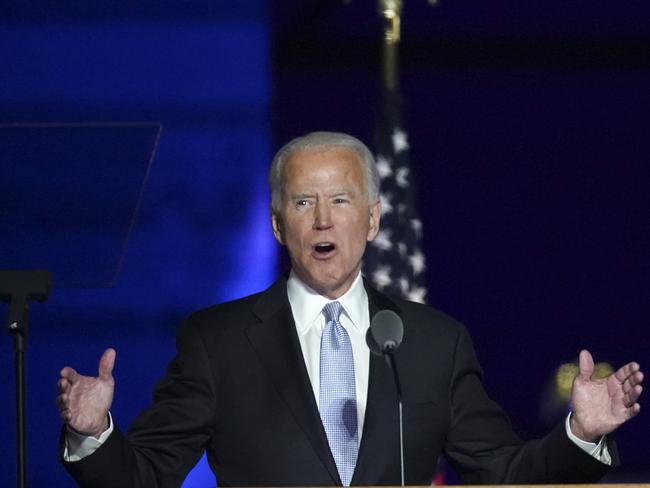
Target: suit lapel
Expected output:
[274,339]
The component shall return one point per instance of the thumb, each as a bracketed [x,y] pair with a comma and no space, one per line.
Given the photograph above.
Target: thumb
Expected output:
[106,363]
[586,365]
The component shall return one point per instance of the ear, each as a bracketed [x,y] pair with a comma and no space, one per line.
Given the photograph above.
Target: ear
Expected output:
[276,223]
[375,217]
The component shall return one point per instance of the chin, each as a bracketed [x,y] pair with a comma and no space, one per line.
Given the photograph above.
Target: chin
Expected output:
[323,284]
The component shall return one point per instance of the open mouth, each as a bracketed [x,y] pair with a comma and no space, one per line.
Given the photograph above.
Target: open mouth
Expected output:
[324,248]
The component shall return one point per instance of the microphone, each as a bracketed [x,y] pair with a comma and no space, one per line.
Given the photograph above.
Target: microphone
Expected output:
[385,333]
[383,337]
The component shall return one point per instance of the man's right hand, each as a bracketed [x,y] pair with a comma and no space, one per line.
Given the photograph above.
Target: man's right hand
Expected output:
[84,401]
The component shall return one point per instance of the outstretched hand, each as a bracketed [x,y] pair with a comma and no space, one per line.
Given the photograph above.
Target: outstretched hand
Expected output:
[84,401]
[600,406]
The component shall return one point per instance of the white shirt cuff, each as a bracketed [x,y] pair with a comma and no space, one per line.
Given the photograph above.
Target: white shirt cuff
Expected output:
[598,451]
[79,446]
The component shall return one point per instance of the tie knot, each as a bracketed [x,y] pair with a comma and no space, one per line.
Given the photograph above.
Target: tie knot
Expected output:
[332,311]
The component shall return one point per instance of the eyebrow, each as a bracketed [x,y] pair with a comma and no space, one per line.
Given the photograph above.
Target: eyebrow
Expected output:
[300,196]
[333,194]
[337,193]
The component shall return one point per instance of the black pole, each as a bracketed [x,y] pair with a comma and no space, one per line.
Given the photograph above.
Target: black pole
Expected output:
[17,288]
[392,363]
[21,439]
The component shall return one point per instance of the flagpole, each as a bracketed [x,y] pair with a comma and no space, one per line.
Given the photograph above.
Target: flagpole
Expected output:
[391,10]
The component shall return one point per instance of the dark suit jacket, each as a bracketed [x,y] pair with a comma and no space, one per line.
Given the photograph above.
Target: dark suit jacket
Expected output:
[239,389]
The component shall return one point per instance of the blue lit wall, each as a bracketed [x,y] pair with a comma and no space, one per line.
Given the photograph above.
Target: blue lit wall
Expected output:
[202,70]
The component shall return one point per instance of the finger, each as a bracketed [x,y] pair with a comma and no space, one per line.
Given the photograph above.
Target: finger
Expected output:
[63,385]
[633,411]
[106,364]
[638,377]
[632,381]
[62,402]
[632,396]
[70,374]
[586,365]
[66,416]
[626,371]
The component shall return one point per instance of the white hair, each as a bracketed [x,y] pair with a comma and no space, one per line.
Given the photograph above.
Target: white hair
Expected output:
[322,140]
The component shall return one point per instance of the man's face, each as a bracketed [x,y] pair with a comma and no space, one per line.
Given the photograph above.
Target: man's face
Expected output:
[325,218]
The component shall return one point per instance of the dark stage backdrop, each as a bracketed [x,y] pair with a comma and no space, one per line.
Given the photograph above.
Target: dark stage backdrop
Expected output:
[528,128]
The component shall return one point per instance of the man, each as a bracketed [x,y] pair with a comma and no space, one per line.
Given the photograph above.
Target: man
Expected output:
[280,389]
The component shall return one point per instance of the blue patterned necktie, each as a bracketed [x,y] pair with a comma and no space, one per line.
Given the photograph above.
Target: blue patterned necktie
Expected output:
[338,402]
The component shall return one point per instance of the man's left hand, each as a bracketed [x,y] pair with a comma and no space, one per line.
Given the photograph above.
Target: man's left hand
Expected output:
[600,406]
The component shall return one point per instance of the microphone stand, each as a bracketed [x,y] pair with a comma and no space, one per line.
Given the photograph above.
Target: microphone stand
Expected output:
[18,288]
[389,354]
[383,338]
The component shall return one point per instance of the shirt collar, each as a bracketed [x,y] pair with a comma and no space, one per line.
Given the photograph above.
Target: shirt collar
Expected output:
[307,304]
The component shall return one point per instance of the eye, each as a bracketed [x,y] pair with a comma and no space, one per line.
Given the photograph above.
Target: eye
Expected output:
[302,202]
[340,201]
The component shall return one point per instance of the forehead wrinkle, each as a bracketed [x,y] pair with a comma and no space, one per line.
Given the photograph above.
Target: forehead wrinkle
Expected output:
[344,193]
[355,172]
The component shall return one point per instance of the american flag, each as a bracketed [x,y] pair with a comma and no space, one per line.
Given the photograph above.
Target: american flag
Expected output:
[394,261]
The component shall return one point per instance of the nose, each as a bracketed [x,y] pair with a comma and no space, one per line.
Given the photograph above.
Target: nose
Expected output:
[322,216]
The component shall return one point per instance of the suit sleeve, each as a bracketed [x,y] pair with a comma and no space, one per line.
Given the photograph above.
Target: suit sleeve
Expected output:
[482,447]
[168,438]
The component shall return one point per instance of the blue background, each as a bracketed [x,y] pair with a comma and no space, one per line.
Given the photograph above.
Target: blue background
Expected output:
[529,133]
